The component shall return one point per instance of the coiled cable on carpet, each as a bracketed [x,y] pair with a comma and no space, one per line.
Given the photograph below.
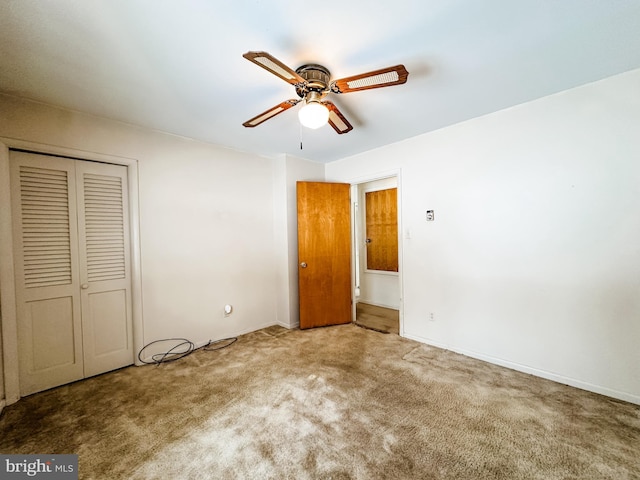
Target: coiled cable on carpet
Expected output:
[181,349]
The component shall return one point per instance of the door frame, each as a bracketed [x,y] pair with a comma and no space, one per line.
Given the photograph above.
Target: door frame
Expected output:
[355,183]
[8,307]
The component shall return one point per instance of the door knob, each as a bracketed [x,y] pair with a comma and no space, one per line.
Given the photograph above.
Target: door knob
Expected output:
[368,240]
[303,264]
[84,286]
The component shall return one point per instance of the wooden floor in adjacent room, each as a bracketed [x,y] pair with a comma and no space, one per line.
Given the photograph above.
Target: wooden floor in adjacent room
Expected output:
[381,319]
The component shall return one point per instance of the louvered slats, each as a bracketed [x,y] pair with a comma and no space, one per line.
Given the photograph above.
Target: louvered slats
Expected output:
[45,227]
[104,227]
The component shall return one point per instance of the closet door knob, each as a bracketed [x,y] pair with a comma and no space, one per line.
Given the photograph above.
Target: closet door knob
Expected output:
[303,264]
[84,286]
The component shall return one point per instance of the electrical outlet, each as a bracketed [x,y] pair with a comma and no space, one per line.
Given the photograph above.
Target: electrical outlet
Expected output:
[432,317]
[228,310]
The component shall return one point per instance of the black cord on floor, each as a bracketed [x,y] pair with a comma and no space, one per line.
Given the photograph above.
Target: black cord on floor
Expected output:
[230,341]
[181,349]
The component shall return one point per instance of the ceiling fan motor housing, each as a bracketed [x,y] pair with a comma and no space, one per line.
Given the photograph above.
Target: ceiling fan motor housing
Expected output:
[317,82]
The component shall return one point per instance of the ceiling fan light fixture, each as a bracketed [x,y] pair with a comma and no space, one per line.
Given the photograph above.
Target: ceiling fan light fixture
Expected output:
[313,115]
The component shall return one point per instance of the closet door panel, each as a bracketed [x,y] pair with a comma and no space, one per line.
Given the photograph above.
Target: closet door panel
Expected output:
[109,315]
[103,225]
[46,269]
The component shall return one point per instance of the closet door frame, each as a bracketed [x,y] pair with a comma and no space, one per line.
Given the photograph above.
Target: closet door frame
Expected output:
[8,307]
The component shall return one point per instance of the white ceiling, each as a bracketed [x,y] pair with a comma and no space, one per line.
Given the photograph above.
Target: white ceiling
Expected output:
[177,66]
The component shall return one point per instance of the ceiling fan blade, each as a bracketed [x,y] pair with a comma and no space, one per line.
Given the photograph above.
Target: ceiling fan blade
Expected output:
[339,123]
[385,77]
[275,66]
[272,112]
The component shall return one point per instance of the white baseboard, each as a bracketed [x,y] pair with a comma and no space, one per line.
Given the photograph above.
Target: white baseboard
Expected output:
[3,403]
[627,397]
[287,326]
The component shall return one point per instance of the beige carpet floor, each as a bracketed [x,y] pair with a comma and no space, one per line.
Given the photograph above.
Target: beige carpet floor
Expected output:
[329,403]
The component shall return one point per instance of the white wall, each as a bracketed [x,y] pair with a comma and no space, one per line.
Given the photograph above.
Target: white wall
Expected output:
[376,287]
[533,258]
[206,220]
[281,241]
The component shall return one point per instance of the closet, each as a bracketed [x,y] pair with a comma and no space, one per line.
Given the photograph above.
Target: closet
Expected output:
[72,268]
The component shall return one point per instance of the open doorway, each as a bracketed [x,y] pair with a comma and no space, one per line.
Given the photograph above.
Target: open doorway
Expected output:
[377,276]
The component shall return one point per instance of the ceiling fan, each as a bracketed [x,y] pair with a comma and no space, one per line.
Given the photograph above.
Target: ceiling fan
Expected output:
[313,83]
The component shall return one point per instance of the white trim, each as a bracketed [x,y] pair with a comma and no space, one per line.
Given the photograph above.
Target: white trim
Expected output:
[353,210]
[376,189]
[7,278]
[2,405]
[8,310]
[627,397]
[136,260]
[286,325]
[375,176]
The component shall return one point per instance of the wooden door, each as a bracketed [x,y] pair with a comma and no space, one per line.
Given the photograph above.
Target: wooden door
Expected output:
[324,253]
[72,269]
[381,215]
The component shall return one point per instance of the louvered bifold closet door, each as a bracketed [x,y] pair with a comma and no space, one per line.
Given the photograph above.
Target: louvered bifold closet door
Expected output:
[46,271]
[103,227]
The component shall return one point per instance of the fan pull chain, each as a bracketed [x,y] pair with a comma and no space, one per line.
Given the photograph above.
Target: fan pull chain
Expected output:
[300,136]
